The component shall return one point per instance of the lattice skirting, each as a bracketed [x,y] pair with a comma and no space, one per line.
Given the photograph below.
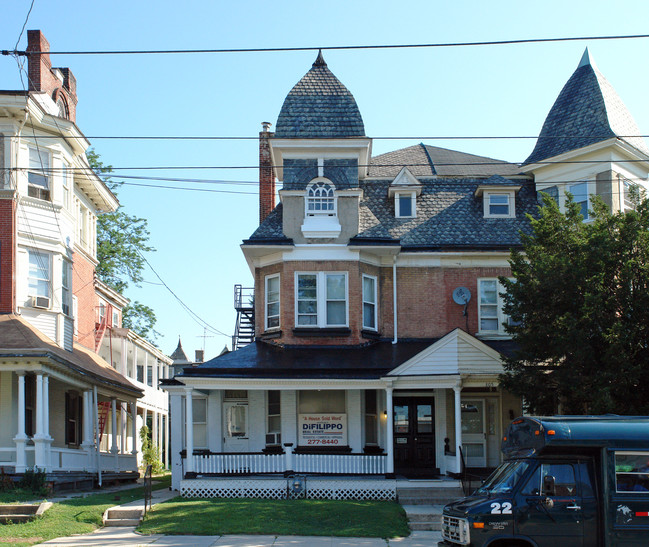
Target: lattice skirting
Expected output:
[294,487]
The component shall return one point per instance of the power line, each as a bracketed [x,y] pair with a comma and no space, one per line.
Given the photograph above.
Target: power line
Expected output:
[333,48]
[384,137]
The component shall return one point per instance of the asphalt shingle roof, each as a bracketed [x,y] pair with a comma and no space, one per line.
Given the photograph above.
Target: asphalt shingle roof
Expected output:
[587,111]
[319,106]
[424,161]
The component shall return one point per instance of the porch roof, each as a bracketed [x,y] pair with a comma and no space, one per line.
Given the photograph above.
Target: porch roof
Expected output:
[20,339]
[262,360]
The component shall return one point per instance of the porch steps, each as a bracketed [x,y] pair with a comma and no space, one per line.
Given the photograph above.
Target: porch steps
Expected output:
[424,505]
[16,513]
[123,516]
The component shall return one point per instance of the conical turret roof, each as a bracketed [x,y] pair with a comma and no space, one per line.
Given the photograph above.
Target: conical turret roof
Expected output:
[319,106]
[587,111]
[178,356]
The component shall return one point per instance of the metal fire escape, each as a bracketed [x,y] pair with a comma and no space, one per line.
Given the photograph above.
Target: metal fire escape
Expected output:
[244,304]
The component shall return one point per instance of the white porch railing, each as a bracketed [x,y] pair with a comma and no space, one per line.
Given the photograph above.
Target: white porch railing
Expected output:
[69,459]
[258,463]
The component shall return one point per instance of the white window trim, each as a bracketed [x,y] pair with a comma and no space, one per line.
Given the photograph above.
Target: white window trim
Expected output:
[44,255]
[511,203]
[502,317]
[267,302]
[321,300]
[66,301]
[328,213]
[40,170]
[413,203]
[375,303]
[200,424]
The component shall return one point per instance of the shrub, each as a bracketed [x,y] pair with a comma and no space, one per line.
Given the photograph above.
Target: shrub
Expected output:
[150,452]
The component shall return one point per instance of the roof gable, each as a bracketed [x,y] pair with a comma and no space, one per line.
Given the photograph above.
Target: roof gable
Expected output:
[455,353]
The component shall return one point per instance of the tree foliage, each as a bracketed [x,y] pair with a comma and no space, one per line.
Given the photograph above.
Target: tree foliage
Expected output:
[121,240]
[580,308]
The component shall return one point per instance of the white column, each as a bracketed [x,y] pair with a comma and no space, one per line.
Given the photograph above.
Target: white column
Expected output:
[113,425]
[41,437]
[46,420]
[175,440]
[123,435]
[166,441]
[458,427]
[189,431]
[154,429]
[134,428]
[88,443]
[389,441]
[21,438]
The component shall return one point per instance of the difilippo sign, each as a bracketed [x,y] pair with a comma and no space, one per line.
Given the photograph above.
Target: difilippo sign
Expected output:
[322,429]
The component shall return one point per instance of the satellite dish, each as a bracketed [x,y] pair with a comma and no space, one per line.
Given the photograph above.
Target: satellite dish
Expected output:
[461,296]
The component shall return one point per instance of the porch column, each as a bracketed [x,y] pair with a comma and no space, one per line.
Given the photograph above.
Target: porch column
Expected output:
[86,420]
[154,430]
[389,431]
[123,435]
[189,431]
[458,428]
[134,427]
[41,438]
[21,438]
[46,419]
[114,449]
[175,440]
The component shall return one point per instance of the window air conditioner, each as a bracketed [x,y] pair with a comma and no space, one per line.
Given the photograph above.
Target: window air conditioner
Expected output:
[273,438]
[40,302]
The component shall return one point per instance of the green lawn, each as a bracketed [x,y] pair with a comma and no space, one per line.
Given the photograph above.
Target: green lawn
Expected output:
[79,515]
[277,517]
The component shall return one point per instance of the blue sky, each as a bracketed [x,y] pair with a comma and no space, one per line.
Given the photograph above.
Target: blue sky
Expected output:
[460,91]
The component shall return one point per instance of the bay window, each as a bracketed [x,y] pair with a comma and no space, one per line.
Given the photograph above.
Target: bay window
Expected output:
[38,178]
[321,299]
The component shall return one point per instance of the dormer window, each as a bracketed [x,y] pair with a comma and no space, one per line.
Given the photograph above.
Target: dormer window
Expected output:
[498,205]
[405,188]
[320,219]
[498,200]
[320,199]
[405,204]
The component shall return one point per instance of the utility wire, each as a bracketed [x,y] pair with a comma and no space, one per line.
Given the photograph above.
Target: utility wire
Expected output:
[334,48]
[384,138]
[24,25]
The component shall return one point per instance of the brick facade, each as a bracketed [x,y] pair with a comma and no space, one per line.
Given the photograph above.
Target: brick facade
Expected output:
[7,255]
[425,305]
[83,288]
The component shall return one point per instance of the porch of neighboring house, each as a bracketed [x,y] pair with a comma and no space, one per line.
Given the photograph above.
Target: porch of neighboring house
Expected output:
[68,414]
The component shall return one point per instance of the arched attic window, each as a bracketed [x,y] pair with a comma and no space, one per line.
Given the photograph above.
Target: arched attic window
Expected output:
[320,198]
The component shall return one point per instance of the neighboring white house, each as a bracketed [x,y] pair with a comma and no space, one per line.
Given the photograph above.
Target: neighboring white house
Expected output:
[139,361]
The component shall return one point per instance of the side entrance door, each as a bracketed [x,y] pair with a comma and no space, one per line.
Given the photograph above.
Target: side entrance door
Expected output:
[474,433]
[235,427]
[414,436]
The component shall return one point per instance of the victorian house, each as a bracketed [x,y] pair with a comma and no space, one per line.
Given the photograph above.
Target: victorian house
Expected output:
[65,409]
[379,329]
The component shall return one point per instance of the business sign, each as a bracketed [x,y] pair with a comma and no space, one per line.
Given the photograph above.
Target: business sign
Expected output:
[322,429]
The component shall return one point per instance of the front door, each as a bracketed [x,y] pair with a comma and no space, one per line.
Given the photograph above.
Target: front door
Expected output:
[414,436]
[235,427]
[474,433]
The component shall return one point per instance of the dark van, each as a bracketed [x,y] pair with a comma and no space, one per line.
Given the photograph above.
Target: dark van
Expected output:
[567,481]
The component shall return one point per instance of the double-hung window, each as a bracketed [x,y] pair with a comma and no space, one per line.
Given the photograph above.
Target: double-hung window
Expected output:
[405,204]
[67,177]
[492,319]
[274,424]
[580,197]
[65,287]
[272,301]
[321,299]
[38,178]
[40,278]
[369,302]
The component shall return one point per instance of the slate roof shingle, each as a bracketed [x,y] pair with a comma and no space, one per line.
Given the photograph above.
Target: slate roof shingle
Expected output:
[587,111]
[319,106]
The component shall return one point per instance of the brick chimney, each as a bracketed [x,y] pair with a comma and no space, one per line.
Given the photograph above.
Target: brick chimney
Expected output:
[266,173]
[59,83]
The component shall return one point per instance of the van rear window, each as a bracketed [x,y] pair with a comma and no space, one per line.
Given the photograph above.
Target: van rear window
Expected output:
[632,472]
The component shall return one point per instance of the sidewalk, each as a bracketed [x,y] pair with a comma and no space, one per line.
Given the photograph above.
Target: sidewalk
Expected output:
[126,536]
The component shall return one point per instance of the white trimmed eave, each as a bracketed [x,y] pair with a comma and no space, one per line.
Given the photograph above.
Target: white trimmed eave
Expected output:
[356,147]
[110,294]
[92,185]
[495,188]
[573,155]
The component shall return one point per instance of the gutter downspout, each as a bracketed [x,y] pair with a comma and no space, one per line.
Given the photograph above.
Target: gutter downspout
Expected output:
[97,438]
[394,297]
